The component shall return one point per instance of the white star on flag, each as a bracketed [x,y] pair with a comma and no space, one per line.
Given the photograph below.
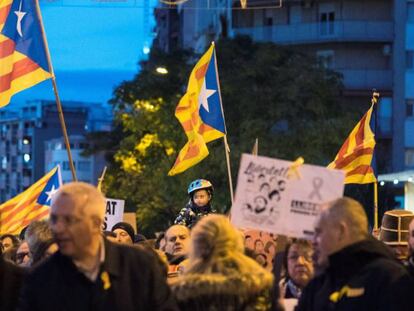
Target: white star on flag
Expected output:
[204,95]
[20,14]
[51,193]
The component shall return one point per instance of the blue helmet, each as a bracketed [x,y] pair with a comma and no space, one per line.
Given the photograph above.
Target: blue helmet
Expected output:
[200,184]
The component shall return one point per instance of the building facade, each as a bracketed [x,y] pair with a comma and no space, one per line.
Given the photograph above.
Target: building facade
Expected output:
[25,132]
[370,42]
[88,168]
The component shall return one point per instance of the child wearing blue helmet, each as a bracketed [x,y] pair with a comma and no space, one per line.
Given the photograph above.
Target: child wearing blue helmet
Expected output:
[201,193]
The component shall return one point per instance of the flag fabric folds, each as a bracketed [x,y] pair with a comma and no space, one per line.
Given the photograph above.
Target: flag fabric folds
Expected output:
[23,60]
[355,155]
[200,112]
[32,204]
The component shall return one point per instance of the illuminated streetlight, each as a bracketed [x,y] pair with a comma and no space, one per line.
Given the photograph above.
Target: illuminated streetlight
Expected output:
[396,181]
[410,179]
[382,183]
[161,70]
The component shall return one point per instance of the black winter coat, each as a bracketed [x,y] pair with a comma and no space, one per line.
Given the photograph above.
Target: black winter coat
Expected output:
[364,276]
[129,279]
[11,278]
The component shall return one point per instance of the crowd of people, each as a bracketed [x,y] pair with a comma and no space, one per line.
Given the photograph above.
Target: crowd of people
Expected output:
[199,263]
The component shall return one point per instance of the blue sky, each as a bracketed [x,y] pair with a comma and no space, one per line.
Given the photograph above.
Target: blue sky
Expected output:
[94,45]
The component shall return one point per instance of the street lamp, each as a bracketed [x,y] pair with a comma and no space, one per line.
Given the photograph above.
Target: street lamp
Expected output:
[161,70]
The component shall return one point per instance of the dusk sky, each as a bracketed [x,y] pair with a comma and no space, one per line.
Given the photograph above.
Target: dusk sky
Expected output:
[94,45]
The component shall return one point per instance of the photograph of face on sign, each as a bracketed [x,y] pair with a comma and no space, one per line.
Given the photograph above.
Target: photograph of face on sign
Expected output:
[264,192]
[262,246]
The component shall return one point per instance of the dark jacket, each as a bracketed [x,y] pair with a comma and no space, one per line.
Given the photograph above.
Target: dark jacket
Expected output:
[129,279]
[202,292]
[11,278]
[410,265]
[364,276]
[191,214]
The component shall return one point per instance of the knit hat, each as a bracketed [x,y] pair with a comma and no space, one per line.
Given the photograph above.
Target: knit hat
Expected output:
[126,227]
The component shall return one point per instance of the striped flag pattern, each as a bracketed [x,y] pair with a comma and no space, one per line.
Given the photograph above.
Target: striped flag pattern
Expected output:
[23,60]
[200,113]
[355,155]
[32,204]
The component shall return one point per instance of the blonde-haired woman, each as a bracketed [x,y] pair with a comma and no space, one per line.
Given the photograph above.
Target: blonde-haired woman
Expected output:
[218,275]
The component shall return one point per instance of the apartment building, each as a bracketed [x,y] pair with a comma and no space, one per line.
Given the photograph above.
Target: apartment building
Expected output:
[29,136]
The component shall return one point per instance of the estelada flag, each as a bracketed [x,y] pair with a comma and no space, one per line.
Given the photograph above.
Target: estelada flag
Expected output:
[32,204]
[23,60]
[355,155]
[200,112]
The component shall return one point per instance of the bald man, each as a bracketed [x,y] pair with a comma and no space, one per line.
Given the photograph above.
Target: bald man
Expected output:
[177,240]
[361,273]
[89,272]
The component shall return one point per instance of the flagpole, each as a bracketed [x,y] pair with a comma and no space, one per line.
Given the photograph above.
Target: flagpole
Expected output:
[255,150]
[55,90]
[227,151]
[100,180]
[226,145]
[374,100]
[375,205]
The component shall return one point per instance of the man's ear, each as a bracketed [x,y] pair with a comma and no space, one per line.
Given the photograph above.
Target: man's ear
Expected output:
[342,231]
[97,222]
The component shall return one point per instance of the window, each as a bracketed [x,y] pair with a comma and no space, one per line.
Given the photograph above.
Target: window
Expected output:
[409,158]
[410,12]
[409,107]
[83,145]
[327,20]
[65,166]
[385,115]
[410,59]
[13,163]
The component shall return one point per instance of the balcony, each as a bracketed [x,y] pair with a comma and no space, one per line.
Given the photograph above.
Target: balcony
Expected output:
[366,79]
[309,33]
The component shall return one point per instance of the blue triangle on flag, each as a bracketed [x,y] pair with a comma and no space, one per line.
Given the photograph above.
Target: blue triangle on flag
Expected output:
[51,187]
[213,117]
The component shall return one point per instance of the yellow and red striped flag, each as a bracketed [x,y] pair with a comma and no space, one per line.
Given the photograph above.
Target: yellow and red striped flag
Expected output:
[200,113]
[23,58]
[355,155]
[32,204]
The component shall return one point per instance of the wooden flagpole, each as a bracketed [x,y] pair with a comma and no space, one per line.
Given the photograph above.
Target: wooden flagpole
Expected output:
[226,145]
[101,179]
[255,150]
[55,90]
[374,100]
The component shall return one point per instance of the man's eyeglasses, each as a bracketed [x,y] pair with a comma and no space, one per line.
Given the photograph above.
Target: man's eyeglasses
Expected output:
[306,256]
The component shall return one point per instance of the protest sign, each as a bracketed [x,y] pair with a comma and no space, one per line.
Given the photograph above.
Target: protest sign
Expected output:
[114,213]
[263,246]
[270,198]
